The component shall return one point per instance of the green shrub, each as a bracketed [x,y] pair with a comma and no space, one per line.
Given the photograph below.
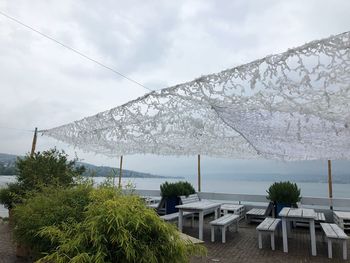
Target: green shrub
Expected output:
[50,167]
[176,189]
[54,206]
[40,170]
[284,192]
[118,228]
[12,194]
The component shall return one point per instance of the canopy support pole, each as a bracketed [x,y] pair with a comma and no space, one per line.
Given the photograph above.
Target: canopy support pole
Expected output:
[330,188]
[120,172]
[199,172]
[34,142]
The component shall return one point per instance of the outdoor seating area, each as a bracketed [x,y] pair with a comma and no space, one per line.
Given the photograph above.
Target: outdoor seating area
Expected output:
[268,239]
[292,236]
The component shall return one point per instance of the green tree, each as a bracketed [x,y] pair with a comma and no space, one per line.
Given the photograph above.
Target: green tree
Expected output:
[47,168]
[43,169]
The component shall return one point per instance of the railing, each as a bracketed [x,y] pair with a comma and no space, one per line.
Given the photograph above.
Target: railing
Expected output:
[320,202]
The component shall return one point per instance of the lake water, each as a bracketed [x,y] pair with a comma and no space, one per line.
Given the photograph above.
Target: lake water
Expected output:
[313,189]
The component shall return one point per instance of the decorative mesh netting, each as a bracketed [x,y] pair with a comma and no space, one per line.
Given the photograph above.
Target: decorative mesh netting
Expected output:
[291,106]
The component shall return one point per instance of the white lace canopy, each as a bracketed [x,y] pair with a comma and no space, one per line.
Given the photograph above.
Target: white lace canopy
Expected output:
[290,106]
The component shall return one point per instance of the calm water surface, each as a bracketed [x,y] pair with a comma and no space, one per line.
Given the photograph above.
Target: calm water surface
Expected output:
[219,186]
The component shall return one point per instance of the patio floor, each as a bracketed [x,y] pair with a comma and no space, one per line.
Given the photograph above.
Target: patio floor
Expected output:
[7,247]
[242,246]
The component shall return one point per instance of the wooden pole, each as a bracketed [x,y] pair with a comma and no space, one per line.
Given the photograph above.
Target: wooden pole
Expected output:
[330,189]
[34,142]
[199,172]
[120,172]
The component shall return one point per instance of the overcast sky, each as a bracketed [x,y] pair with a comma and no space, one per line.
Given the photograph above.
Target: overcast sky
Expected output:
[157,43]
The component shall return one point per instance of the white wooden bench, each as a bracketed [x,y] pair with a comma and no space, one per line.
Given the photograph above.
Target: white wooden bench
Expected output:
[269,226]
[259,214]
[234,209]
[255,213]
[342,219]
[320,217]
[334,233]
[175,216]
[223,222]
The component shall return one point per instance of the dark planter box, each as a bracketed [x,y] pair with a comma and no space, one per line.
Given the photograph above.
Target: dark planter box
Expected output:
[279,207]
[23,251]
[170,203]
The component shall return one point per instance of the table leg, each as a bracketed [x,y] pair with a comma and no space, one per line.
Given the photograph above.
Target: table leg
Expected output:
[212,234]
[201,219]
[272,240]
[329,248]
[313,237]
[180,219]
[217,213]
[284,234]
[259,239]
[223,235]
[345,252]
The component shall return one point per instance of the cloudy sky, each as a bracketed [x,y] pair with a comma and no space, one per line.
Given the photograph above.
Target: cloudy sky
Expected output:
[157,43]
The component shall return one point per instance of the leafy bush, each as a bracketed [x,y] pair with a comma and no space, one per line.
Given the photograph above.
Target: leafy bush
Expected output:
[47,168]
[11,195]
[284,192]
[54,206]
[176,189]
[118,228]
[42,169]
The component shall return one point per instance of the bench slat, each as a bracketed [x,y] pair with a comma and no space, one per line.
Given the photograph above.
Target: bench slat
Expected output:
[333,231]
[340,233]
[173,216]
[320,216]
[328,230]
[269,224]
[256,211]
[265,224]
[224,220]
[275,224]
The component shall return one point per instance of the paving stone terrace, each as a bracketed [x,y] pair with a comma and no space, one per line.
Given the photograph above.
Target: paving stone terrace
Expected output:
[241,246]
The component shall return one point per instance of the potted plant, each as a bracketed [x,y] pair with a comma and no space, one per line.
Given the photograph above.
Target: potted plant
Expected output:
[283,194]
[170,192]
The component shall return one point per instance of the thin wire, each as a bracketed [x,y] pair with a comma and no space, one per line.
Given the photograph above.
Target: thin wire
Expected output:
[74,50]
[16,129]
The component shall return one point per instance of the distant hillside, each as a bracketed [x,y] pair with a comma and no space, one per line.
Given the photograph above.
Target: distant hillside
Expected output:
[7,167]
[102,171]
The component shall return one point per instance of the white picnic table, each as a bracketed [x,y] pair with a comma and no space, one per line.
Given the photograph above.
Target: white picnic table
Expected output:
[300,214]
[200,207]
